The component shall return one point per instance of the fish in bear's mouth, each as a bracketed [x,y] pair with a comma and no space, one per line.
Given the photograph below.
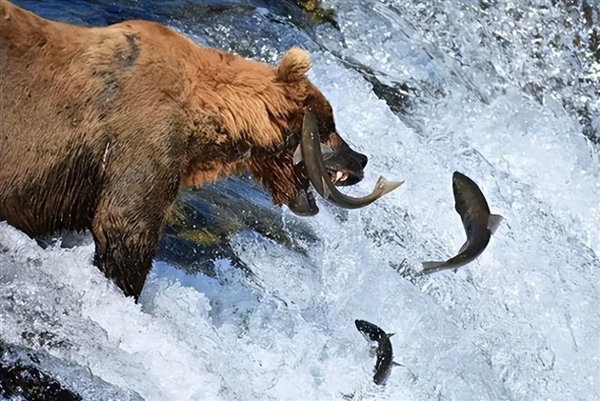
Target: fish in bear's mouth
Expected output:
[305,203]
[326,168]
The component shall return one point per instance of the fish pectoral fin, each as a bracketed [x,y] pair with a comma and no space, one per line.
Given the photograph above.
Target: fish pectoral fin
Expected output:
[298,155]
[431,265]
[396,364]
[464,247]
[390,334]
[325,149]
[494,221]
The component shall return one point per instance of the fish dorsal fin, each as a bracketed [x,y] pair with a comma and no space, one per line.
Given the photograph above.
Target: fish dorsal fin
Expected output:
[298,154]
[493,222]
[464,247]
[390,334]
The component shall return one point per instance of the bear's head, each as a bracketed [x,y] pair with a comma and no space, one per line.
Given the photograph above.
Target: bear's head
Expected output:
[286,181]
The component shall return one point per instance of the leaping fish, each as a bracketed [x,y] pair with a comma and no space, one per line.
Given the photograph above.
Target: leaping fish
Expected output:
[477,220]
[385,356]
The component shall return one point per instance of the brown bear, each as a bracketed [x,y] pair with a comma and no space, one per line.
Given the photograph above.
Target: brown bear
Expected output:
[101,126]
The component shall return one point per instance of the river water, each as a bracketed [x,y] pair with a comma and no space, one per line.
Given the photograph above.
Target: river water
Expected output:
[501,91]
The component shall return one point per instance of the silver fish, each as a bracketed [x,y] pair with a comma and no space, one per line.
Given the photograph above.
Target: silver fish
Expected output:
[477,220]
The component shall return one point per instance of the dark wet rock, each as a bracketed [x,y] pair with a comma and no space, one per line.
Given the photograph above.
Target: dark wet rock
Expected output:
[203,221]
[396,95]
[318,14]
[25,375]
[300,13]
[249,31]
[30,385]
[585,18]
[401,97]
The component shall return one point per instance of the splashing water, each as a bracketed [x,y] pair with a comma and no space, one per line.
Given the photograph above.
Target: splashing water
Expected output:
[499,91]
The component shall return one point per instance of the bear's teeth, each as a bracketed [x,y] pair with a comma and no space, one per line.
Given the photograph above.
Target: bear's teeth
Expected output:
[340,176]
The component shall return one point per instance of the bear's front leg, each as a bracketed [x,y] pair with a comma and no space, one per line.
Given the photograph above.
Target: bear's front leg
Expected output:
[127,225]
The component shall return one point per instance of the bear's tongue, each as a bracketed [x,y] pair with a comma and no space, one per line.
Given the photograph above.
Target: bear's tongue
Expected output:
[304,204]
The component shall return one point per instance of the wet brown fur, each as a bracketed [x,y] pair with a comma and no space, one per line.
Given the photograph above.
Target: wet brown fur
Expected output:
[100,127]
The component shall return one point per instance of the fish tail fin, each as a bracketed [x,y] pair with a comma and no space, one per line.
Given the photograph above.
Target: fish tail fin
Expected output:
[431,266]
[494,221]
[387,186]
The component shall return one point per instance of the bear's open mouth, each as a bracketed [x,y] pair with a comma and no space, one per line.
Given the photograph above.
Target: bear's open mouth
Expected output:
[343,178]
[335,163]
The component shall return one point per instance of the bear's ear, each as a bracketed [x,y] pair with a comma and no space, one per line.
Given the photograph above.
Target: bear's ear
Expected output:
[294,65]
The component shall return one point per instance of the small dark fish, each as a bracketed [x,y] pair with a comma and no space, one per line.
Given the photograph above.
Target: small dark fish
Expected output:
[477,220]
[312,150]
[385,356]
